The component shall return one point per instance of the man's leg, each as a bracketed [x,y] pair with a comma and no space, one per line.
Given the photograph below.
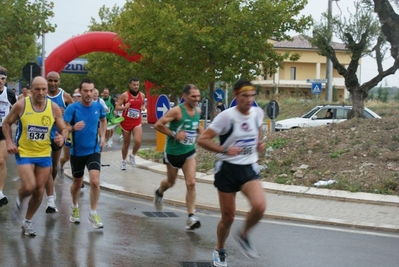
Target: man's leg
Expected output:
[137,137]
[3,171]
[227,210]
[94,176]
[41,175]
[51,207]
[189,169]
[171,176]
[254,192]
[126,143]
[75,190]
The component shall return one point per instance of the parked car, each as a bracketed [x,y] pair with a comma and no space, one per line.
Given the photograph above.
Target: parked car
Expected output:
[321,115]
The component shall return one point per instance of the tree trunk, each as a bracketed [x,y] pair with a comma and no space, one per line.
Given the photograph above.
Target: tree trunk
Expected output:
[358,97]
[211,100]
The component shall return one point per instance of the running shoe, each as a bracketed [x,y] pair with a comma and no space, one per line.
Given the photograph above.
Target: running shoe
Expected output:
[193,223]
[16,212]
[51,207]
[246,246]
[95,221]
[132,161]
[74,218]
[219,258]
[123,165]
[3,201]
[28,229]
[158,201]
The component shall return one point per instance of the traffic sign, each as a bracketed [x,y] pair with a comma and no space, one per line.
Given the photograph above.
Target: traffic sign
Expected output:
[30,71]
[162,106]
[316,80]
[234,103]
[316,88]
[218,95]
[272,109]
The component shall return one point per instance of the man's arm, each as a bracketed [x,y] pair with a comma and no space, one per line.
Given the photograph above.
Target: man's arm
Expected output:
[143,104]
[103,128]
[120,105]
[11,118]
[68,98]
[171,115]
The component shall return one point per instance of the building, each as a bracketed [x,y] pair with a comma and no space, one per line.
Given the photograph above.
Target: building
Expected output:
[290,78]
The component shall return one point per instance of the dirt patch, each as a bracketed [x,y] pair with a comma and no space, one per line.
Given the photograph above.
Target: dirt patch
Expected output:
[356,155]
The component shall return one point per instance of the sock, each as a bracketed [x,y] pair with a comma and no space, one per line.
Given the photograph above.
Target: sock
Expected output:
[157,192]
[191,214]
[75,206]
[1,194]
[92,212]
[50,198]
[27,221]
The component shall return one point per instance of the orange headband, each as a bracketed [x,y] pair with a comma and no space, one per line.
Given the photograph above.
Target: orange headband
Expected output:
[245,88]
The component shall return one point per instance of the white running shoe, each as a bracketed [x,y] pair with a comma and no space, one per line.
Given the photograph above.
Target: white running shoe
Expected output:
[123,165]
[51,207]
[193,223]
[132,160]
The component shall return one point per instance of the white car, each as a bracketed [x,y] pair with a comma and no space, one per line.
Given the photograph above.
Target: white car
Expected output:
[319,116]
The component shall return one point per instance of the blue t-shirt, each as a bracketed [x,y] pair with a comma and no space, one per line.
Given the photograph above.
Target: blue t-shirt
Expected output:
[86,141]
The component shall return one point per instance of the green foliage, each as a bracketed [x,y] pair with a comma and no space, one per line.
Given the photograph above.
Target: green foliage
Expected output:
[20,24]
[277,143]
[338,153]
[180,40]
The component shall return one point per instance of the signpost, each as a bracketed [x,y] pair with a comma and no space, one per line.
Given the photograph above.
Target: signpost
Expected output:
[218,95]
[316,88]
[30,71]
[272,111]
[162,106]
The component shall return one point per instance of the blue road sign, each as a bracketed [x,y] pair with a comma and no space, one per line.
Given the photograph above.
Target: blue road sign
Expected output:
[234,103]
[218,95]
[316,88]
[162,106]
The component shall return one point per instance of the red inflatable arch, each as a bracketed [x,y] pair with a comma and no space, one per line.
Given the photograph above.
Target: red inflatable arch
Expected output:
[96,42]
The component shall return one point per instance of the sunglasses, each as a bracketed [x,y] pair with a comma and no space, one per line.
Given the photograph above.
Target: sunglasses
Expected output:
[3,78]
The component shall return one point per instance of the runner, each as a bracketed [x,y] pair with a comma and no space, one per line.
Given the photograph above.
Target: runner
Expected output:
[36,116]
[132,104]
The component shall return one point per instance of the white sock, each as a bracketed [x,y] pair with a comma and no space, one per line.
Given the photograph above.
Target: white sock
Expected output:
[75,206]
[50,198]
[1,194]
[92,212]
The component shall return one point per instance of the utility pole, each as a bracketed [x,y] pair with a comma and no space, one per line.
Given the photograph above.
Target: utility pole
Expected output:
[329,67]
[43,45]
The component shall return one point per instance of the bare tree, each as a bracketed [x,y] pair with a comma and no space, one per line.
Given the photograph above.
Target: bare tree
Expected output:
[363,34]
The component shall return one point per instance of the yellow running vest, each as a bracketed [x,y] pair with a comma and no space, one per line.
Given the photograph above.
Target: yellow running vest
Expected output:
[33,139]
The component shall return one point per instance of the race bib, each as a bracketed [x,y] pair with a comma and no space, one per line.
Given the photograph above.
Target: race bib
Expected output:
[37,133]
[190,138]
[2,115]
[133,113]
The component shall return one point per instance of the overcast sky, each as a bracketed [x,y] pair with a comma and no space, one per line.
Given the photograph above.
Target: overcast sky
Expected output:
[73,17]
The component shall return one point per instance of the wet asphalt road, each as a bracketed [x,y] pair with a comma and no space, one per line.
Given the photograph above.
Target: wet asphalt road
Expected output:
[130,238]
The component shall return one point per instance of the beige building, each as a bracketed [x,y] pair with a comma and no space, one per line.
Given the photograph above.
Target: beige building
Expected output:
[291,78]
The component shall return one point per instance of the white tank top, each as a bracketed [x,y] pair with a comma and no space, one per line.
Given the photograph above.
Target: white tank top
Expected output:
[237,129]
[5,105]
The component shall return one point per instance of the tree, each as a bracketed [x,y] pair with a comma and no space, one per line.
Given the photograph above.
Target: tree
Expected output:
[362,34]
[106,69]
[206,41]
[20,25]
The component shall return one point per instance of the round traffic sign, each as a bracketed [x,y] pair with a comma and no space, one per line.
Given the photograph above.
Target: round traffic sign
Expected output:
[162,106]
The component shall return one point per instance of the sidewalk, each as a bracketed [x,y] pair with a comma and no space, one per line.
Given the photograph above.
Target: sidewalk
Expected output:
[297,203]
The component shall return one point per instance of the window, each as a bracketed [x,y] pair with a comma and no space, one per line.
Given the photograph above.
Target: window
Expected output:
[293,73]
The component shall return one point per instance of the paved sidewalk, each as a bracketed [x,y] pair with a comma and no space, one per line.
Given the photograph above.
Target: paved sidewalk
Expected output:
[297,203]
